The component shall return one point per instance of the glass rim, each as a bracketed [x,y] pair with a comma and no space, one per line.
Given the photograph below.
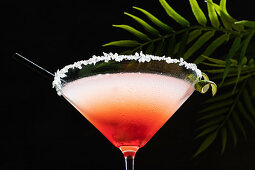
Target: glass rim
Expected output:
[140,57]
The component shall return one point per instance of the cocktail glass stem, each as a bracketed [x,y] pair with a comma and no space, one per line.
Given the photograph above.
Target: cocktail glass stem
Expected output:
[129,155]
[129,162]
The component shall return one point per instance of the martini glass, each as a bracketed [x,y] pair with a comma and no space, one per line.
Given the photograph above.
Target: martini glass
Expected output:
[128,98]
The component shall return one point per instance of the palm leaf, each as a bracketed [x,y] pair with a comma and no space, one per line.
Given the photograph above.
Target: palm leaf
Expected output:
[155,20]
[171,46]
[160,48]
[232,131]
[242,56]
[146,26]
[173,14]
[214,60]
[125,43]
[231,53]
[207,130]
[214,114]
[198,44]
[200,16]
[248,102]
[150,49]
[127,52]
[227,20]
[224,139]
[223,17]
[212,65]
[134,31]
[182,45]
[245,114]
[223,5]
[212,47]
[218,106]
[239,123]
[228,113]
[206,143]
[232,81]
[220,97]
[245,45]
[212,14]
[251,85]
[211,122]
[192,36]
[250,24]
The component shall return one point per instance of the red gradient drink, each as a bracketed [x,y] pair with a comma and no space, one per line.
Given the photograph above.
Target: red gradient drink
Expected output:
[128,108]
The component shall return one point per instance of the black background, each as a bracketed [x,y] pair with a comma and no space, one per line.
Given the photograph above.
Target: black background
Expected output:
[40,130]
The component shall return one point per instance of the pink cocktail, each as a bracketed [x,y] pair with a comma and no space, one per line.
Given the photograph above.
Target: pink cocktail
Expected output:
[128,108]
[128,98]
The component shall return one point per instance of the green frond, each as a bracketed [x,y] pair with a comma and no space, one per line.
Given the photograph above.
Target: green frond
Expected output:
[150,49]
[232,81]
[198,44]
[220,97]
[242,56]
[127,52]
[212,47]
[214,114]
[206,131]
[224,139]
[123,43]
[155,20]
[239,71]
[226,19]
[231,53]
[245,45]
[171,46]
[210,64]
[182,45]
[214,60]
[232,132]
[191,37]
[245,114]
[243,61]
[133,31]
[206,143]
[251,85]
[223,5]
[160,48]
[200,16]
[238,123]
[173,14]
[248,102]
[217,106]
[212,14]
[215,44]
[250,24]
[223,17]
[251,62]
[214,121]
[146,26]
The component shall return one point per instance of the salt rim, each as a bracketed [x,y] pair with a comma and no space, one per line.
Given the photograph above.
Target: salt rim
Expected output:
[118,58]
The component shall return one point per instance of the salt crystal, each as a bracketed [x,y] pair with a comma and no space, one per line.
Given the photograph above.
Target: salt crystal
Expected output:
[118,58]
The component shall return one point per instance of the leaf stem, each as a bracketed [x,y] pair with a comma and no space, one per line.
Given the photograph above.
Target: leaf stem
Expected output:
[207,28]
[233,105]
[164,37]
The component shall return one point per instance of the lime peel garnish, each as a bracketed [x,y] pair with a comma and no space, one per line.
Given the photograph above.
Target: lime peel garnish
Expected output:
[203,86]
